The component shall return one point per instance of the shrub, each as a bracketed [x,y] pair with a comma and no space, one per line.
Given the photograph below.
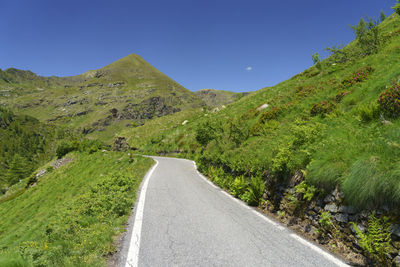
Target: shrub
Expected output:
[64,148]
[322,108]
[397,7]
[255,191]
[389,101]
[339,97]
[338,54]
[367,35]
[270,114]
[307,191]
[376,241]
[382,16]
[239,186]
[325,220]
[304,90]
[358,76]
[315,58]
[205,133]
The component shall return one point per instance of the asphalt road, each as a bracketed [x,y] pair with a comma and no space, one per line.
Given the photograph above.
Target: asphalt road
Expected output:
[181,219]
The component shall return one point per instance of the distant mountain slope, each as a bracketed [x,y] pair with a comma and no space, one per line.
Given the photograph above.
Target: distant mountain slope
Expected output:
[214,98]
[124,93]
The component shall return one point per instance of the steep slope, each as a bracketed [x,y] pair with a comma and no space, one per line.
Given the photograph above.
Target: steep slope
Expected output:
[215,98]
[99,102]
[329,122]
[72,214]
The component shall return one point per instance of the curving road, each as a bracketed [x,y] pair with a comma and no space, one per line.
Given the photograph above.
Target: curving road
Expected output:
[181,219]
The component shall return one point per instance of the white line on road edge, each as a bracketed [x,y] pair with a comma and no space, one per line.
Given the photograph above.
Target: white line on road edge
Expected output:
[265,218]
[134,246]
[320,251]
[236,200]
[202,176]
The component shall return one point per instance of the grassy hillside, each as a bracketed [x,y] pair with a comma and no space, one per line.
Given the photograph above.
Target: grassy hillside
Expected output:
[99,102]
[325,123]
[71,215]
[215,98]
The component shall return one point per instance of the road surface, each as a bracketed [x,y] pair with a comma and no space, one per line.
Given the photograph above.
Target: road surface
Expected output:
[181,219]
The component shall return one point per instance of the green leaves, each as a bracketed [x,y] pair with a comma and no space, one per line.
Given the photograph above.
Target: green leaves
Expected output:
[376,241]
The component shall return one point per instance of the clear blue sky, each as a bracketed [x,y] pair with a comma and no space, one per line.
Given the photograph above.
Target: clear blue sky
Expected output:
[223,44]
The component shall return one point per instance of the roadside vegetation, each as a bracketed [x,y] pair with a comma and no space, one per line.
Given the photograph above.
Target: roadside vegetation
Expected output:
[70,216]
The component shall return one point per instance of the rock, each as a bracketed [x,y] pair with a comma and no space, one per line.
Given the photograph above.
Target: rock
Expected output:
[342,217]
[308,228]
[82,113]
[262,107]
[41,173]
[120,144]
[359,226]
[114,112]
[396,244]
[395,230]
[331,207]
[71,102]
[396,261]
[347,209]
[329,198]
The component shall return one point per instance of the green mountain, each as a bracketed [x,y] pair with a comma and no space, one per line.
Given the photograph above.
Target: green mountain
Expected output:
[123,94]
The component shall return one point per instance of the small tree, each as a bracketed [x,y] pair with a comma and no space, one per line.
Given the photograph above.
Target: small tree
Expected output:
[315,58]
[382,16]
[397,7]
[19,169]
[367,35]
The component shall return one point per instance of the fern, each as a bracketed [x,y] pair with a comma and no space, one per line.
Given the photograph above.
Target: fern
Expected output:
[376,241]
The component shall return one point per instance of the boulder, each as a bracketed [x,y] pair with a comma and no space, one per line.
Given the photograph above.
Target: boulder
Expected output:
[395,230]
[262,107]
[331,208]
[347,209]
[342,217]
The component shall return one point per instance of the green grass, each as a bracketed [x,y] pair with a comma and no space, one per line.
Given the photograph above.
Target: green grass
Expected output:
[73,213]
[346,143]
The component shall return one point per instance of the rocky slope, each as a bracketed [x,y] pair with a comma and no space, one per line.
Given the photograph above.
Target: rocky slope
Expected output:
[123,94]
[215,98]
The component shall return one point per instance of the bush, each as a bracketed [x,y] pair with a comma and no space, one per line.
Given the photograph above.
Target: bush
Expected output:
[64,148]
[322,108]
[367,35]
[397,7]
[339,97]
[357,77]
[376,241]
[205,133]
[255,191]
[389,101]
[307,191]
[239,186]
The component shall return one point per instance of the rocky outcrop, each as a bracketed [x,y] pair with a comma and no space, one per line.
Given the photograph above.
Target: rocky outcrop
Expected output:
[120,144]
[307,218]
[148,109]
